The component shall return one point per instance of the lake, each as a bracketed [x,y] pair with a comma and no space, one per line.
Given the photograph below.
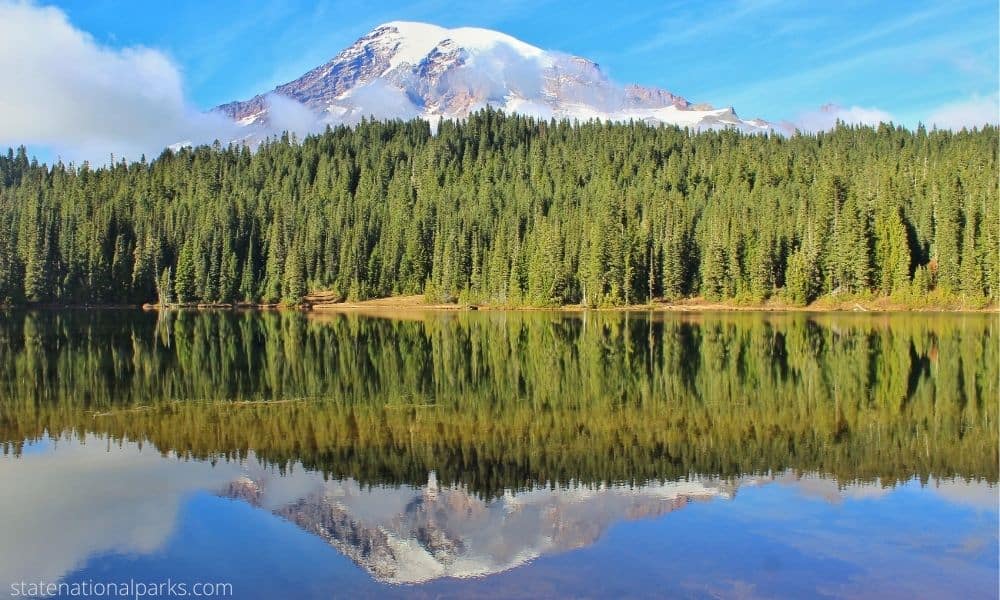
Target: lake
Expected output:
[501,454]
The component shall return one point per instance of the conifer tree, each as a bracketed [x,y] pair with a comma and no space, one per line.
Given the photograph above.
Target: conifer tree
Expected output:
[184,279]
[971,274]
[892,252]
[294,287]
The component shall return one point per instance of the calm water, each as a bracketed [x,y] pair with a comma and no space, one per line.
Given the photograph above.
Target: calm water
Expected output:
[502,454]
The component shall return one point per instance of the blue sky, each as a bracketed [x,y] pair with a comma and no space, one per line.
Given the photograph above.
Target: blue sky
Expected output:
[769,58]
[776,59]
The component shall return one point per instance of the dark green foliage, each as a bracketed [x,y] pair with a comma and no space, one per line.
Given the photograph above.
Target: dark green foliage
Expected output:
[508,210]
[506,401]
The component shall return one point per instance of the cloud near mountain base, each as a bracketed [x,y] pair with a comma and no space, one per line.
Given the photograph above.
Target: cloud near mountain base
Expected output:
[827,116]
[63,90]
[974,112]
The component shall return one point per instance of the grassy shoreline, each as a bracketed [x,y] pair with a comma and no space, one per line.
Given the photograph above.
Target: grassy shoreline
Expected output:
[878,305]
[322,302]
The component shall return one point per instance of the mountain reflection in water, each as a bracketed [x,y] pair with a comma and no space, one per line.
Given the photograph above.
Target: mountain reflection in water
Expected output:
[75,500]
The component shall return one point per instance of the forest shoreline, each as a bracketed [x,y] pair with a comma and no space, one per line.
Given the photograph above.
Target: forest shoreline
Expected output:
[417,303]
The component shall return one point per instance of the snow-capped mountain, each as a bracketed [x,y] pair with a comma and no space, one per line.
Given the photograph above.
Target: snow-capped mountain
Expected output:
[406,70]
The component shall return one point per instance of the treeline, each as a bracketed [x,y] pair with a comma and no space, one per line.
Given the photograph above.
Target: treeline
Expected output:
[509,210]
[500,401]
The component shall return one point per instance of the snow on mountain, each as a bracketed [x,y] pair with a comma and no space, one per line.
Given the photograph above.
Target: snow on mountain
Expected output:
[406,70]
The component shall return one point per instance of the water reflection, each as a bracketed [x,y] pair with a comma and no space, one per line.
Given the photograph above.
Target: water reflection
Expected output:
[503,454]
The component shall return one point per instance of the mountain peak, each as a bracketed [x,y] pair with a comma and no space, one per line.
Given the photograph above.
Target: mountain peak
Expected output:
[406,69]
[415,40]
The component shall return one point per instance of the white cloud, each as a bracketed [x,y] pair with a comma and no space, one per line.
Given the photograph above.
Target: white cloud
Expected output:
[62,89]
[974,112]
[826,118]
[122,500]
[285,114]
[375,99]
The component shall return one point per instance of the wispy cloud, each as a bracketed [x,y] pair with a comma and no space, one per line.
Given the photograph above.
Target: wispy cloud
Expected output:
[687,26]
[880,31]
[212,52]
[882,59]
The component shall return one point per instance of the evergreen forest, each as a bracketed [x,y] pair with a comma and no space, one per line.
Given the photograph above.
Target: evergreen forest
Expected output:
[510,211]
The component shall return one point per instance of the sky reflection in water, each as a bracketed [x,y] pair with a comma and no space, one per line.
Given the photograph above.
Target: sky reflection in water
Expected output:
[102,512]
